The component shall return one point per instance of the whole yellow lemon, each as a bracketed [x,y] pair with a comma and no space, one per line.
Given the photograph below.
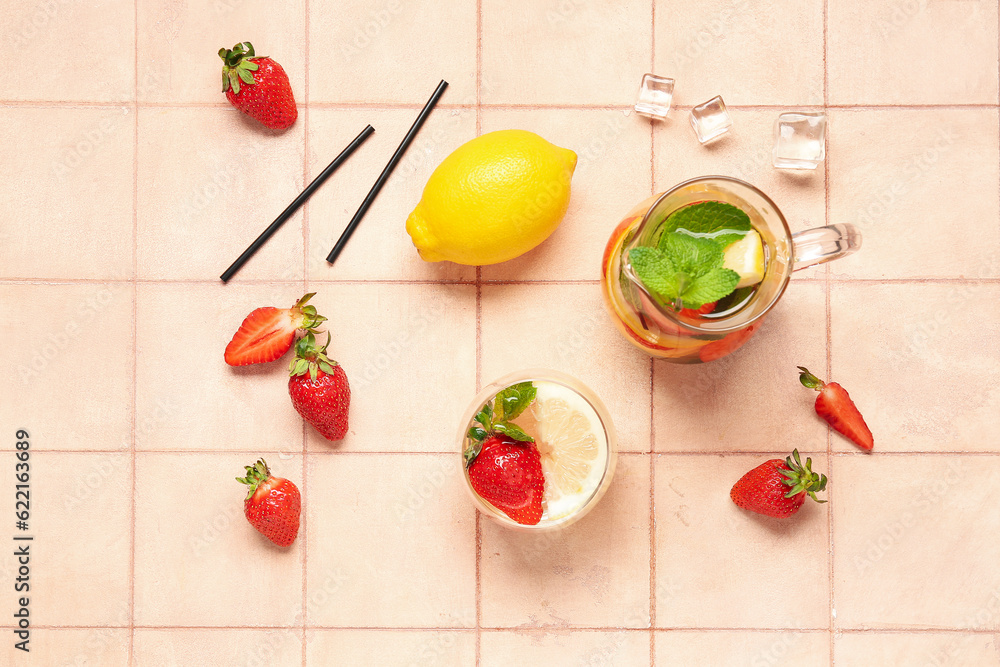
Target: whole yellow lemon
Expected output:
[495,198]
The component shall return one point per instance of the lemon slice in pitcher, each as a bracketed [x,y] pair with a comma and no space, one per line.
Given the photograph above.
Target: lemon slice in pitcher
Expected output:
[746,257]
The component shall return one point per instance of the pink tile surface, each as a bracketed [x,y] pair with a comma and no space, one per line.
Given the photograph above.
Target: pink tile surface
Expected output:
[130,185]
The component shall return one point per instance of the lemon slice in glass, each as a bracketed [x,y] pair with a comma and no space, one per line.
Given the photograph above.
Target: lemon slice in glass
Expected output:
[567,444]
[746,257]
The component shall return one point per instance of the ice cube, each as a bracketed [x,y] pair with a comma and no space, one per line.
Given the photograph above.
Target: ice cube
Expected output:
[710,120]
[799,140]
[655,95]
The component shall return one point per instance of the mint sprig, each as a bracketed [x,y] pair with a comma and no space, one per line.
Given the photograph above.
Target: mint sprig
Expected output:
[685,271]
[496,417]
[716,220]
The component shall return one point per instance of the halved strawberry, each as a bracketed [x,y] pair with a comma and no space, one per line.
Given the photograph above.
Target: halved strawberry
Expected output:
[508,474]
[697,312]
[835,406]
[267,333]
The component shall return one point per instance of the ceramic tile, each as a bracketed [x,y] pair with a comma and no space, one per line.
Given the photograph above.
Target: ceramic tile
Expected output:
[745,153]
[204,552]
[750,400]
[194,222]
[101,39]
[391,51]
[380,248]
[179,648]
[721,649]
[940,172]
[565,647]
[76,576]
[391,648]
[924,558]
[427,578]
[571,332]
[742,51]
[68,191]
[911,52]
[611,176]
[564,53]
[925,648]
[182,333]
[729,585]
[107,647]
[72,377]
[918,389]
[576,576]
[421,368]
[177,63]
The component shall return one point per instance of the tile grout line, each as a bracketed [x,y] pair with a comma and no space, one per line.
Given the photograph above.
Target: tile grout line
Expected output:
[130,656]
[479,339]
[487,282]
[652,372]
[682,452]
[829,338]
[305,290]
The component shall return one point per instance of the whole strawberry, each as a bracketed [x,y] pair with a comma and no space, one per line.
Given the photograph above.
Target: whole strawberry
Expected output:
[267,333]
[272,505]
[319,389]
[503,463]
[257,86]
[778,488]
[834,405]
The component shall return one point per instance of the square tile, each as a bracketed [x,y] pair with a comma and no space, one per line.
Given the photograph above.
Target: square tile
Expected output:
[67,193]
[107,647]
[177,65]
[722,649]
[742,50]
[918,648]
[427,578]
[706,582]
[939,174]
[570,331]
[421,368]
[391,648]
[611,177]
[187,396]
[72,376]
[564,647]
[926,557]
[193,540]
[96,43]
[564,53]
[577,576]
[380,248]
[910,51]
[179,648]
[79,557]
[744,153]
[236,178]
[359,50]
[918,388]
[751,399]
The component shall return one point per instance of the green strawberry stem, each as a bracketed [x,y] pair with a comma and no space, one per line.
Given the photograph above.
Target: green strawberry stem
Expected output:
[311,359]
[237,66]
[310,318]
[809,380]
[801,478]
[496,417]
[257,474]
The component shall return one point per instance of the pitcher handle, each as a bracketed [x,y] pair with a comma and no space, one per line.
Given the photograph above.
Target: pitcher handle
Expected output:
[822,244]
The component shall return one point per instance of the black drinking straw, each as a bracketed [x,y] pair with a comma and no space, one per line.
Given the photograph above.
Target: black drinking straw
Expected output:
[303,196]
[384,176]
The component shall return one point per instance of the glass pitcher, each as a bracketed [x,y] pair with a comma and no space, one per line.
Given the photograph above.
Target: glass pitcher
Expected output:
[677,336]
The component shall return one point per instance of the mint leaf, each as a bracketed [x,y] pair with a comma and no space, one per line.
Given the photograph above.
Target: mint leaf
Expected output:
[694,256]
[715,220]
[710,287]
[685,271]
[513,400]
[514,431]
